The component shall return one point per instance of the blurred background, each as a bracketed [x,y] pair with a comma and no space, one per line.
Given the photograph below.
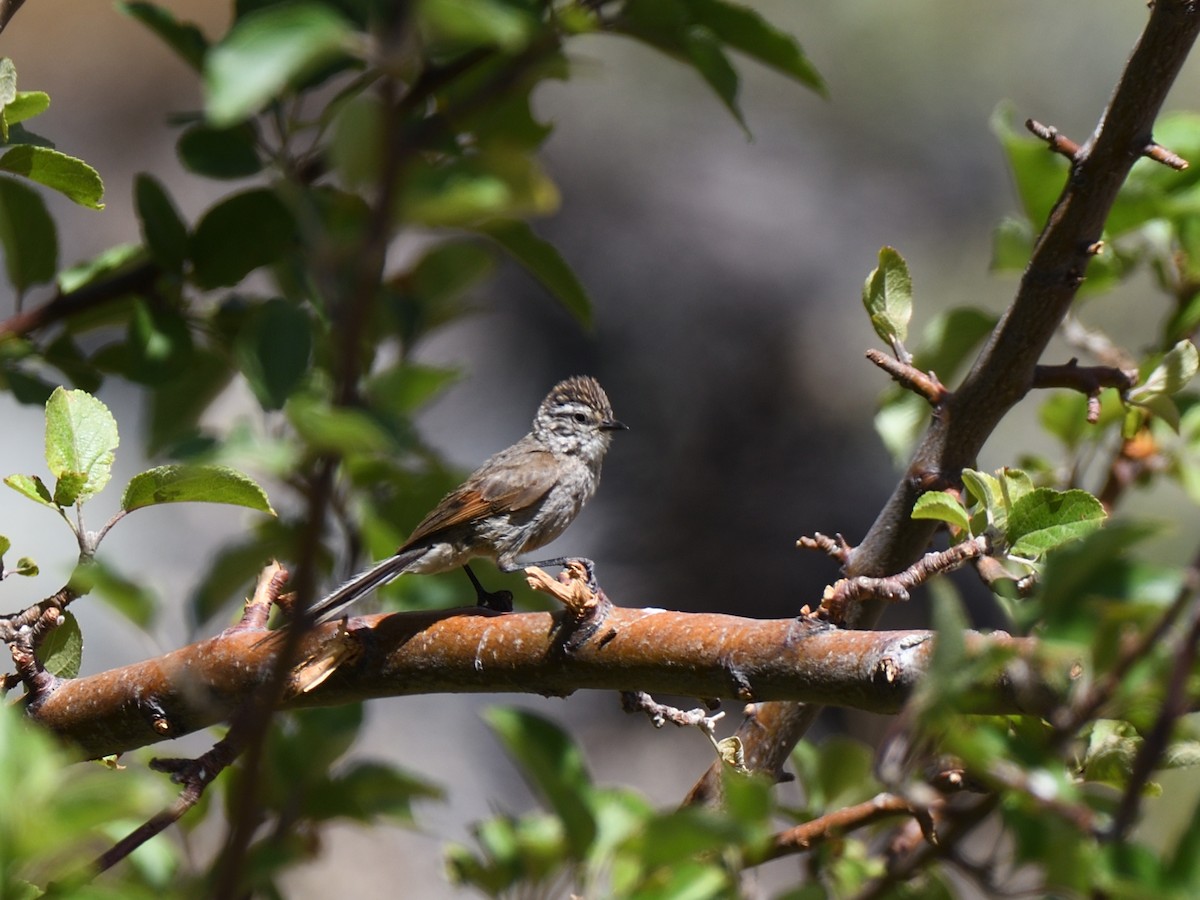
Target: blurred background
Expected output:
[726,275]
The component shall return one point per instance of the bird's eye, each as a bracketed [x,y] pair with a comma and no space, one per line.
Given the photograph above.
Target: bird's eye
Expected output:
[580,418]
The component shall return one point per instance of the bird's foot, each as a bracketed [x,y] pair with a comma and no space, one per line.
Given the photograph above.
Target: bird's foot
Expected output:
[500,601]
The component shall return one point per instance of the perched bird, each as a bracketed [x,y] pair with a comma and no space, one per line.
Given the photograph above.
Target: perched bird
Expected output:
[519,500]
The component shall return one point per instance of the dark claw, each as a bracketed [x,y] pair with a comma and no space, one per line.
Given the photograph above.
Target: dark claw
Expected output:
[500,601]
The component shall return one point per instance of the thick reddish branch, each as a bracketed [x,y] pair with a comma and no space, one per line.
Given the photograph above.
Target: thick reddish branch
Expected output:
[472,650]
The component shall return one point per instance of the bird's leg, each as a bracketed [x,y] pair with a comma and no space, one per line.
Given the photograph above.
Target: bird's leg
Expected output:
[501,601]
[588,566]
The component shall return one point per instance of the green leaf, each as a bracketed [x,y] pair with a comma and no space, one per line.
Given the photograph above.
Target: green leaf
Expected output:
[748,32]
[68,488]
[669,26]
[467,191]
[406,387]
[367,790]
[176,405]
[1012,245]
[273,349]
[61,653]
[477,23]
[240,234]
[1170,376]
[28,236]
[107,262]
[543,262]
[337,429]
[887,296]
[32,487]
[26,105]
[158,344]
[132,600]
[26,566]
[81,439]
[190,483]
[183,37]
[71,177]
[1044,519]
[267,51]
[943,507]
[163,228]
[704,52]
[5,545]
[220,152]
[1039,174]
[553,764]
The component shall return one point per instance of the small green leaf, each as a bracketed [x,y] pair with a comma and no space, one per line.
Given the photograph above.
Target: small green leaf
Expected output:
[201,484]
[240,234]
[553,764]
[543,262]
[162,227]
[887,296]
[1170,376]
[475,23]
[132,600]
[1044,519]
[61,653]
[183,37]
[267,51]
[27,567]
[158,344]
[1012,245]
[337,429]
[105,263]
[983,487]
[406,387]
[26,105]
[69,176]
[1039,174]
[220,152]
[743,29]
[943,507]
[704,52]
[32,487]
[68,487]
[5,545]
[950,623]
[28,236]
[81,437]
[273,349]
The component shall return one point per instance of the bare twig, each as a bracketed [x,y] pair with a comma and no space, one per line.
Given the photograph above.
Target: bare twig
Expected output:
[1175,704]
[195,775]
[1088,380]
[660,714]
[1162,155]
[1057,142]
[895,588]
[908,376]
[835,546]
[804,837]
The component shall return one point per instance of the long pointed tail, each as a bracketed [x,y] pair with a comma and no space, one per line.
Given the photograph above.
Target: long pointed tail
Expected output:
[362,584]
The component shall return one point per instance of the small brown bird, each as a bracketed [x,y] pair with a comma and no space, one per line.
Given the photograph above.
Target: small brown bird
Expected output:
[519,500]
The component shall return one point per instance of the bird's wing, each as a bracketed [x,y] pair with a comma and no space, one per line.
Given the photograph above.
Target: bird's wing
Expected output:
[501,485]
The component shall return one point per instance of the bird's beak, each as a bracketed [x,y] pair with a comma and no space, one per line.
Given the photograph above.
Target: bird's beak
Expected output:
[613,425]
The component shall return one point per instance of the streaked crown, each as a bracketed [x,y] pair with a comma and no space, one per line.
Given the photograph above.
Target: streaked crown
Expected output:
[577,416]
[583,390]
